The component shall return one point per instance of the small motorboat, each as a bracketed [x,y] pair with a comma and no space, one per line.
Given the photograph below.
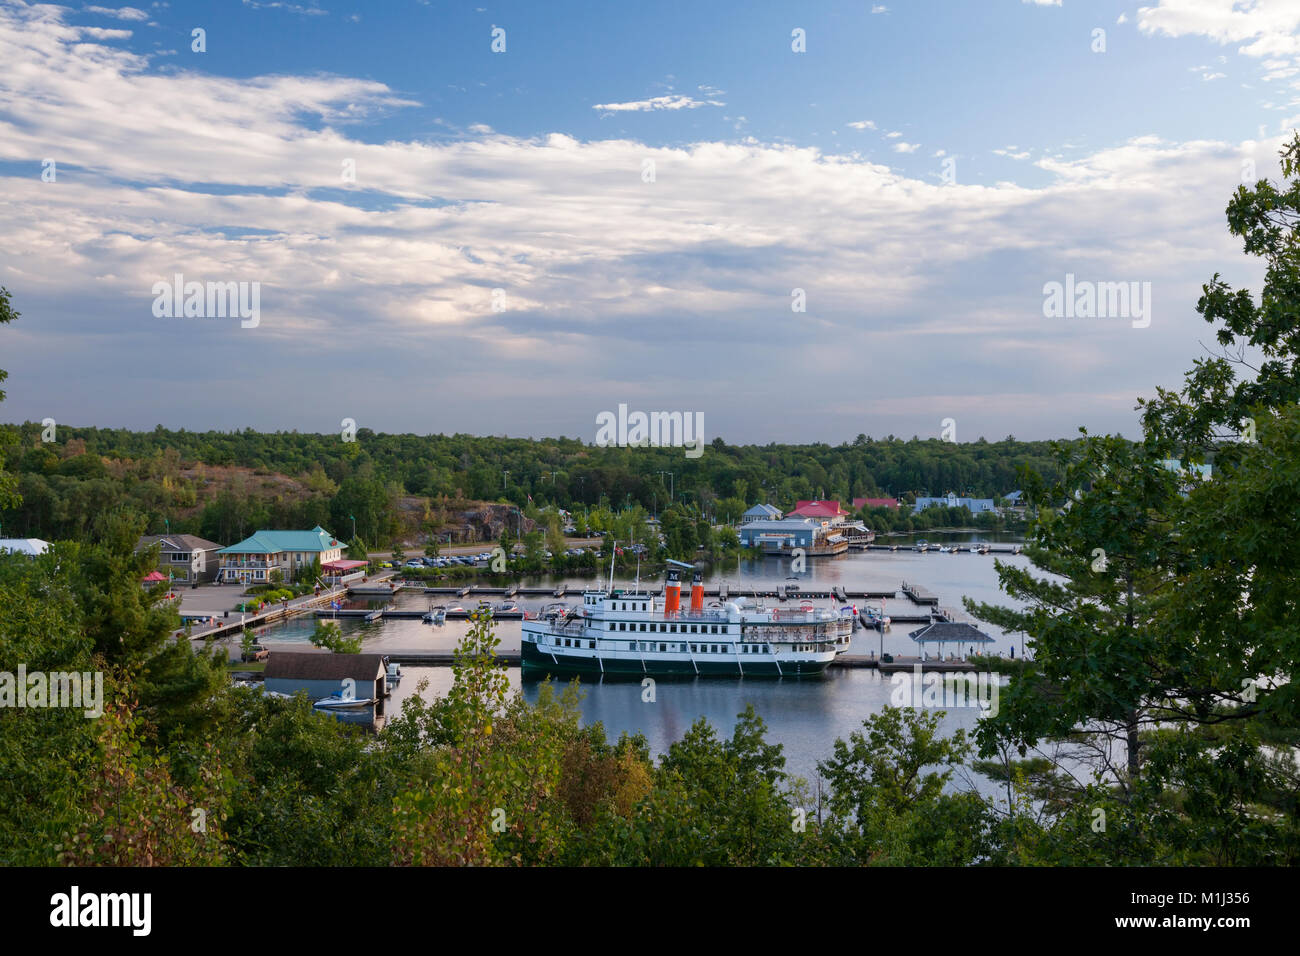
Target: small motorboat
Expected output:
[394,674]
[507,607]
[339,702]
[437,614]
[556,611]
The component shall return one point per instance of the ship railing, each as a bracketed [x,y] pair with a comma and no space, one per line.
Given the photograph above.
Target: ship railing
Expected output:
[685,614]
[773,635]
[576,629]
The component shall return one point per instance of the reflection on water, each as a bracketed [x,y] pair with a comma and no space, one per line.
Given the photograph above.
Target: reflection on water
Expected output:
[804,716]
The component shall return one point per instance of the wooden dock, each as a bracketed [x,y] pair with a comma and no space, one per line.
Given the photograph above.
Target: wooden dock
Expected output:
[918,594]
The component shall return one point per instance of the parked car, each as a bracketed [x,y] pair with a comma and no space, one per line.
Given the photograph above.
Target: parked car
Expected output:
[259,652]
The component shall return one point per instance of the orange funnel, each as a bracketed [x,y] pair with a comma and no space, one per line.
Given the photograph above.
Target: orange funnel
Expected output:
[672,594]
[697,593]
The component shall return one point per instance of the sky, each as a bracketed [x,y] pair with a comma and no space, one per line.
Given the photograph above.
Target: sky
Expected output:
[800,221]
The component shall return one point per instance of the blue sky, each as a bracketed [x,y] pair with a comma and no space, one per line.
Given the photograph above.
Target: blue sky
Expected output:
[920,171]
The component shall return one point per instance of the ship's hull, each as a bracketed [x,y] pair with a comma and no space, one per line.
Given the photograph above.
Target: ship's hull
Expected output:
[539,662]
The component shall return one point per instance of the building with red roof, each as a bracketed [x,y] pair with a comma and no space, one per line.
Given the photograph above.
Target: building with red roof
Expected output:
[823,512]
[860,503]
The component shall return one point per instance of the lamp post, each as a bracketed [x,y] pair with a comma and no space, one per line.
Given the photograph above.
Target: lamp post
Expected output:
[504,474]
[671,483]
[354,526]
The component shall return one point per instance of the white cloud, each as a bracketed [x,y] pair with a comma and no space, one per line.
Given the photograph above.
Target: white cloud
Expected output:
[286,7]
[239,179]
[121,13]
[674,102]
[863,124]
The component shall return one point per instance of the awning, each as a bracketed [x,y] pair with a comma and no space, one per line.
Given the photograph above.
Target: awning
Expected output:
[155,576]
[343,565]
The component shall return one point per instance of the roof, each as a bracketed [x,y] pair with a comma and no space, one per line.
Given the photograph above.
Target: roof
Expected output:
[950,631]
[30,546]
[768,510]
[785,524]
[1014,495]
[818,509]
[343,565]
[273,542]
[875,502]
[177,542]
[322,665]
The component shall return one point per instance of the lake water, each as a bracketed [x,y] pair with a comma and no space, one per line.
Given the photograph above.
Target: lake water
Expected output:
[805,716]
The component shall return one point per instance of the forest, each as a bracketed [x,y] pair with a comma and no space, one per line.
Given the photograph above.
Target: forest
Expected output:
[225,485]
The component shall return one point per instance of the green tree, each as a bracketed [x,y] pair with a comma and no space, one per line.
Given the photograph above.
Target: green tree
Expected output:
[330,636]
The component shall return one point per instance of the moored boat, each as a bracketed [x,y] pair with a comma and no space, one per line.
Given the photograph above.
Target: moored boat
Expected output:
[339,702]
[633,633]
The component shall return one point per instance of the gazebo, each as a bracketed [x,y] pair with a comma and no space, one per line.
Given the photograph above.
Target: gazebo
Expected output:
[949,632]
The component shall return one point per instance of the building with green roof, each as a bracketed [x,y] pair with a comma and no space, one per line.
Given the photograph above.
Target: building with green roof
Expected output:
[253,560]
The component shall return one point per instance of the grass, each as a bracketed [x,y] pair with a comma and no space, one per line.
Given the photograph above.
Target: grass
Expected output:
[252,667]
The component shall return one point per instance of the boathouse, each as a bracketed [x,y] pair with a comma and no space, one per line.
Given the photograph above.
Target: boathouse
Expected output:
[321,674]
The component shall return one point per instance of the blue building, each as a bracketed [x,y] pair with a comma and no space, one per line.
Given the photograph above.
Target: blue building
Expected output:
[760,513]
[779,535]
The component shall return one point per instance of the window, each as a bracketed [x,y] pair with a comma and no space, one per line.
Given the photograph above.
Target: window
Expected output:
[694,649]
[592,645]
[663,648]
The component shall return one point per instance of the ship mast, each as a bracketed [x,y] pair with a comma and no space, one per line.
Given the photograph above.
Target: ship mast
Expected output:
[613,545]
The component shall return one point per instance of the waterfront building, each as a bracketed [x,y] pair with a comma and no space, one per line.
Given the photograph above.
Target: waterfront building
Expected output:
[321,674]
[975,505]
[253,560]
[761,513]
[778,535]
[826,513]
[184,557]
[860,503]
